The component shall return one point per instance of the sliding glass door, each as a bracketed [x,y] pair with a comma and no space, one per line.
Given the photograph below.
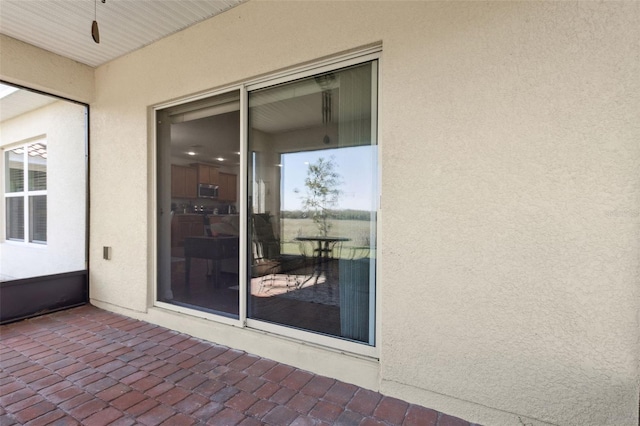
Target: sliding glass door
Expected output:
[313,199]
[267,204]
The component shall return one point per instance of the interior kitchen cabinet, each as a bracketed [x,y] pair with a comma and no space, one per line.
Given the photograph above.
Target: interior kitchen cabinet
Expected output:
[228,186]
[184,182]
[208,174]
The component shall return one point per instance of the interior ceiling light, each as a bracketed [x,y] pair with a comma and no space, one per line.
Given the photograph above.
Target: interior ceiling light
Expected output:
[95,32]
[191,153]
[220,159]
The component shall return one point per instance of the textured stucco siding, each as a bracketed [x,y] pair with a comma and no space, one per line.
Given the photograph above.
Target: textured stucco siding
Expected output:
[518,150]
[30,66]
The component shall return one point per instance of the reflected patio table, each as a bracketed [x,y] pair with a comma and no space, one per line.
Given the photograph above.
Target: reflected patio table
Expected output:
[321,254]
[325,244]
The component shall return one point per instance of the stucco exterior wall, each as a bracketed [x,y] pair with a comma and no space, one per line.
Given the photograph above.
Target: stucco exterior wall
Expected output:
[63,126]
[518,154]
[30,66]
[509,233]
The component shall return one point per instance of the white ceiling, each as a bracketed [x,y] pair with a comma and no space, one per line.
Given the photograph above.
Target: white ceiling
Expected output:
[64,26]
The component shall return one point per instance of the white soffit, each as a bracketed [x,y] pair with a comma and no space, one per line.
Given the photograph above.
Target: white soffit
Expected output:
[64,26]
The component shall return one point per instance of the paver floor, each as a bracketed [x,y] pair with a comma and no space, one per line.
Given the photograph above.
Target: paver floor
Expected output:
[92,367]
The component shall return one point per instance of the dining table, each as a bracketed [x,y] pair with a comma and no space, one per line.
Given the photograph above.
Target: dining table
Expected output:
[215,249]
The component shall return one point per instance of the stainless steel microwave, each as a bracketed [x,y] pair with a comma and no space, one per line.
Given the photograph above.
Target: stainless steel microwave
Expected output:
[207,191]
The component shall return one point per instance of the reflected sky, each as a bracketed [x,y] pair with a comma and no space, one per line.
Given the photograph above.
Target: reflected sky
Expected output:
[354,164]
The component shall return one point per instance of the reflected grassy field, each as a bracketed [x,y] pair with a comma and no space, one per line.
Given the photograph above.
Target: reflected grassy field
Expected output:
[358,232]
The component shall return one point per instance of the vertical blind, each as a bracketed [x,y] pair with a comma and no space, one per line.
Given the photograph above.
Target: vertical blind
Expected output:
[15,218]
[38,218]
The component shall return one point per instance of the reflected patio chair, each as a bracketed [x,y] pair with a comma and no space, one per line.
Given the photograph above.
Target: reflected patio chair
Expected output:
[268,263]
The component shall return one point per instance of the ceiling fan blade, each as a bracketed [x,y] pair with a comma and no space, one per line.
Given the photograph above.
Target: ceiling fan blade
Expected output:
[95,33]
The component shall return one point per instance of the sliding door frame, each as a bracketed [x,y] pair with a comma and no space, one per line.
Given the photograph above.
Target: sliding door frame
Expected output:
[155,239]
[333,342]
[369,54]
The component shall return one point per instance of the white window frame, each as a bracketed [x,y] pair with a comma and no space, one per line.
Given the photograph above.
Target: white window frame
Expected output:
[303,336]
[24,194]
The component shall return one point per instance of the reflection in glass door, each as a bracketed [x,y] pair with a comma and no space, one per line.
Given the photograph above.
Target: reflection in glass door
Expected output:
[313,186]
[198,225]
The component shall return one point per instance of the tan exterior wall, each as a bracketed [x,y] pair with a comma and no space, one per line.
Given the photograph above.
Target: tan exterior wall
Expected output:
[509,233]
[32,67]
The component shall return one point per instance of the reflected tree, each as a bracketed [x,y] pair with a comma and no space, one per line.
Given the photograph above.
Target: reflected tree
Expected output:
[322,193]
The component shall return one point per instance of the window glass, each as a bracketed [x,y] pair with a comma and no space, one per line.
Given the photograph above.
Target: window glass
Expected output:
[198,186]
[313,202]
[38,218]
[14,160]
[37,155]
[15,218]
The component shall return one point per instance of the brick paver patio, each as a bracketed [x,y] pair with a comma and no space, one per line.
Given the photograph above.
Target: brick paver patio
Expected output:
[92,367]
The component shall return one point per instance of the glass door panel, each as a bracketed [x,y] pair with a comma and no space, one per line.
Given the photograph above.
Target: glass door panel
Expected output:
[313,162]
[198,225]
